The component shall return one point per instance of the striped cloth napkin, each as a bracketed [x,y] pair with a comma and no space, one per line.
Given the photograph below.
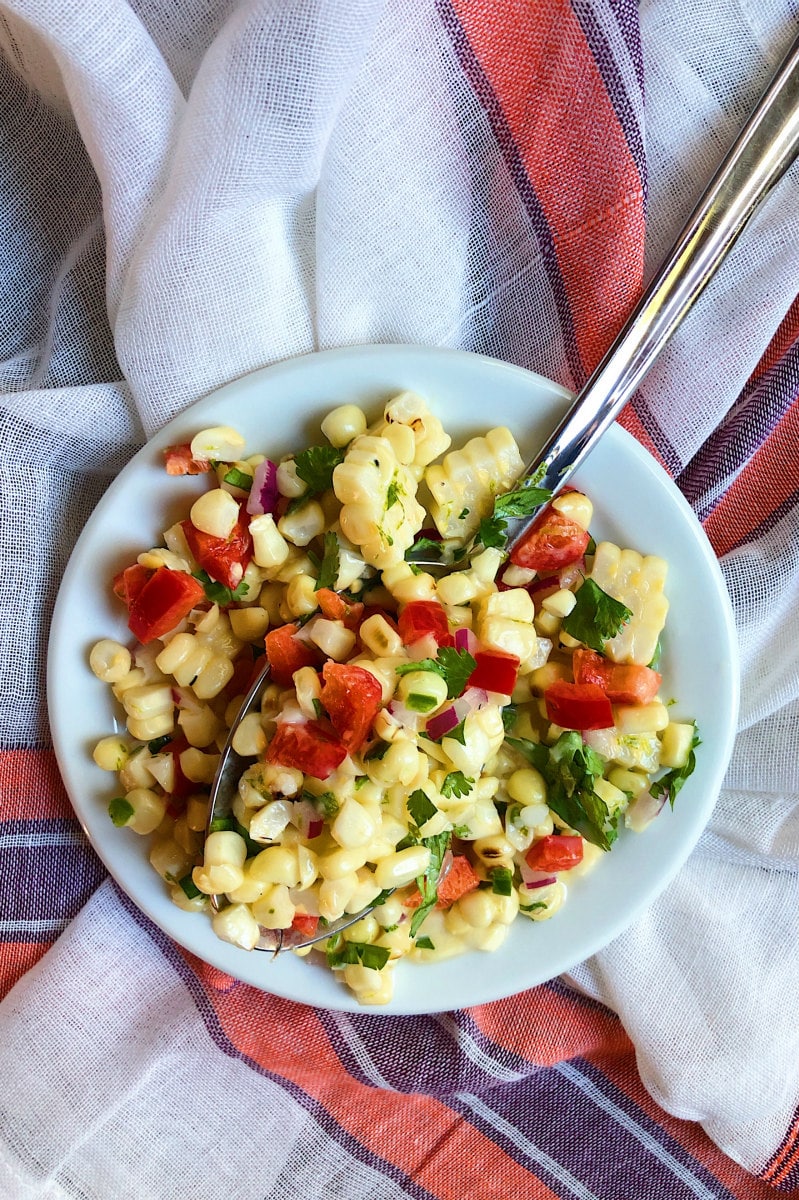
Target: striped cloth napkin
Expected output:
[194,188]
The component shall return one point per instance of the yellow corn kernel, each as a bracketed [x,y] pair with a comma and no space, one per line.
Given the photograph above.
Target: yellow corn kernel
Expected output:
[675,745]
[110,661]
[148,810]
[112,752]
[270,548]
[576,506]
[215,512]
[343,424]
[237,925]
[249,624]
[640,718]
[379,637]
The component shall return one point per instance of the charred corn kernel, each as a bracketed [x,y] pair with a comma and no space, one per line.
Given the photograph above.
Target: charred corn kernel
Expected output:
[197,766]
[215,512]
[541,903]
[270,548]
[148,810]
[494,851]
[136,772]
[109,660]
[400,868]
[169,859]
[379,637]
[218,442]
[189,839]
[640,718]
[640,752]
[522,824]
[200,726]
[343,424]
[333,638]
[390,913]
[560,603]
[223,862]
[408,408]
[297,563]
[477,909]
[412,587]
[175,652]
[464,484]
[301,596]
[276,864]
[485,566]
[303,525]
[516,604]
[335,894]
[249,890]
[675,745]
[250,739]
[366,892]
[527,786]
[342,862]
[144,729]
[237,925]
[353,826]
[249,624]
[628,781]
[638,583]
[422,691]
[482,821]
[488,940]
[504,633]
[576,506]
[192,664]
[111,753]
[270,597]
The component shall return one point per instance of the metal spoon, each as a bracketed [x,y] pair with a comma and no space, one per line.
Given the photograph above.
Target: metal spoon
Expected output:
[757,160]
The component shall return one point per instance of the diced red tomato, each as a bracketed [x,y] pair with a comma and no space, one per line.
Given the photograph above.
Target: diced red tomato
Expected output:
[351,697]
[460,879]
[166,598]
[178,461]
[336,608]
[224,559]
[421,617]
[623,683]
[496,671]
[245,671]
[578,705]
[128,583]
[553,542]
[306,746]
[305,923]
[286,655]
[556,852]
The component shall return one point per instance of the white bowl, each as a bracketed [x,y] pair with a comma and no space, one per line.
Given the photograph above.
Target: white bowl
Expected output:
[278,409]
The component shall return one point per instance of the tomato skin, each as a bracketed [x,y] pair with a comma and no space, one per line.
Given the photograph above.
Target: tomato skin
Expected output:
[460,879]
[554,541]
[420,617]
[351,697]
[286,655]
[622,683]
[178,461]
[578,705]
[306,746]
[166,598]
[128,583]
[224,559]
[305,923]
[496,671]
[556,852]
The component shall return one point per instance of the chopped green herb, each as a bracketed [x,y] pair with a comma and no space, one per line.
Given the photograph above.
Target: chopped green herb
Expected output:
[421,807]
[318,708]
[120,811]
[532,907]
[492,532]
[454,667]
[508,717]
[591,547]
[501,881]
[157,744]
[360,781]
[428,883]
[671,783]
[520,502]
[419,702]
[596,616]
[422,664]
[458,734]
[415,568]
[239,479]
[655,660]
[456,784]
[325,803]
[379,750]
[189,887]
[463,514]
[382,897]
[341,953]
[570,769]
[461,831]
[221,825]
[424,544]
[217,593]
[331,562]
[424,943]
[315,467]
[393,493]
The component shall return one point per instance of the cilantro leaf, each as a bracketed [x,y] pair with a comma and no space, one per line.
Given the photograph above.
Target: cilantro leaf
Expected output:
[596,616]
[492,532]
[508,717]
[217,593]
[456,784]
[422,664]
[331,561]
[393,493]
[341,953]
[458,734]
[428,883]
[315,467]
[420,807]
[426,544]
[570,769]
[520,502]
[239,479]
[325,803]
[157,744]
[456,667]
[120,811]
[424,943]
[671,783]
[189,887]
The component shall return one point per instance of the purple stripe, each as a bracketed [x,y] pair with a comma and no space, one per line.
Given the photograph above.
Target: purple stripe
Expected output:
[44,886]
[627,15]
[260,1017]
[614,84]
[513,161]
[755,415]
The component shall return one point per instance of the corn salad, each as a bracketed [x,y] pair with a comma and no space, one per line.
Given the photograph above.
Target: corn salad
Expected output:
[451,752]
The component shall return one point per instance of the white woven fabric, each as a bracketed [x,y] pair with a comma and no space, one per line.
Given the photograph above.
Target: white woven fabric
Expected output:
[276,177]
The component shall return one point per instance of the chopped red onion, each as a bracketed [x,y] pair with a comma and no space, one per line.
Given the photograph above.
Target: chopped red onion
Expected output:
[442,723]
[568,576]
[472,699]
[263,494]
[404,716]
[535,879]
[644,808]
[539,883]
[466,640]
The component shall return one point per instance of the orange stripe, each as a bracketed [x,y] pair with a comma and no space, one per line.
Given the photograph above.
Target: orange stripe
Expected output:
[622,1072]
[564,1028]
[770,477]
[786,336]
[787,1158]
[31,786]
[16,958]
[417,1134]
[574,152]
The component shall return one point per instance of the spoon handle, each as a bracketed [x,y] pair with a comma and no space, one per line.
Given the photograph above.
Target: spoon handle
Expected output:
[757,160]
